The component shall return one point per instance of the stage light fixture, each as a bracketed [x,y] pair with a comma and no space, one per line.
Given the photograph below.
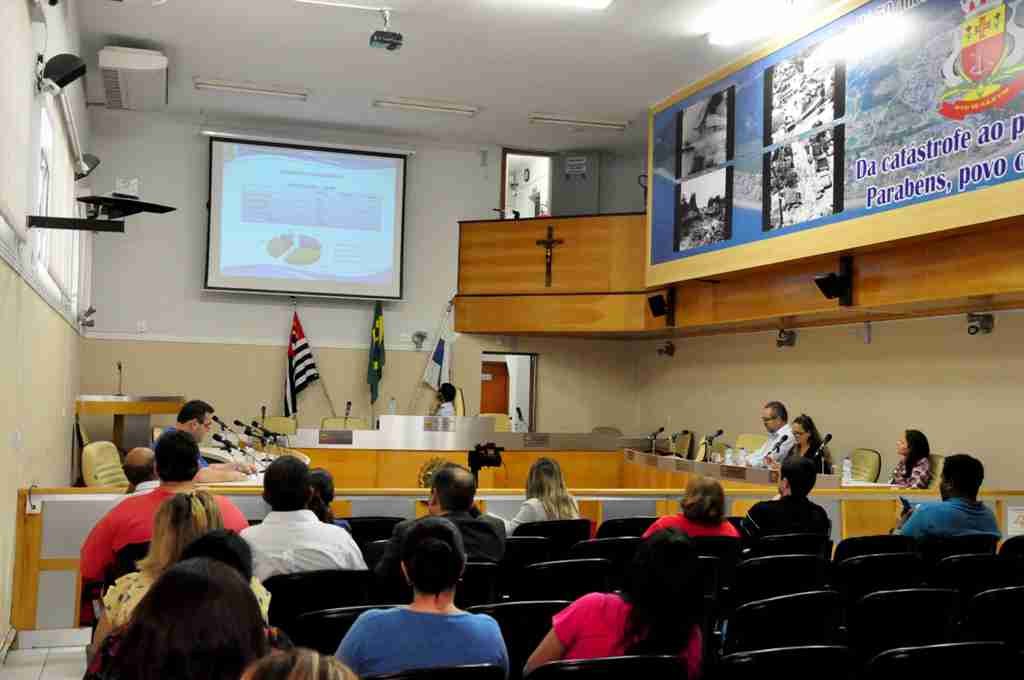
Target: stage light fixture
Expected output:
[838,285]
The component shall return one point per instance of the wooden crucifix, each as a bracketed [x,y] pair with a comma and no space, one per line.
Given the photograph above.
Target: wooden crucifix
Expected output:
[549,250]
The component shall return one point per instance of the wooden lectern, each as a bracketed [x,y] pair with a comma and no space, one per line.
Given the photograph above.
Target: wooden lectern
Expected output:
[132,425]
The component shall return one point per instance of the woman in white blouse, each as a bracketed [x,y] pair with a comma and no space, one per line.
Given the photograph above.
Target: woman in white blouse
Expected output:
[546,497]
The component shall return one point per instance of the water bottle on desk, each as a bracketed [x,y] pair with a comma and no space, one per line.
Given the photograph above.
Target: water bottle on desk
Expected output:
[742,458]
[847,470]
[392,406]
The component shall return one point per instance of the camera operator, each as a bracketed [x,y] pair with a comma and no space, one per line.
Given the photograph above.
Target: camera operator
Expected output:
[452,493]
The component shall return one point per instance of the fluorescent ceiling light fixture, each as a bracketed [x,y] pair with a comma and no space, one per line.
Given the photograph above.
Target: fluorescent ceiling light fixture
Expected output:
[345,5]
[429,105]
[249,88]
[590,5]
[728,24]
[555,119]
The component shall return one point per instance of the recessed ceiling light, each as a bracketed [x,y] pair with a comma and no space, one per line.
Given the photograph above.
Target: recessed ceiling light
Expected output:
[346,5]
[555,119]
[249,88]
[430,105]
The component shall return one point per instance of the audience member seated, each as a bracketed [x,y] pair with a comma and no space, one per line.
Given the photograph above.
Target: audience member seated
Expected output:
[914,470]
[702,511]
[291,539]
[445,400]
[546,497]
[199,621]
[959,513]
[431,632]
[780,436]
[808,444]
[138,468]
[322,483]
[452,490]
[231,549]
[792,512]
[195,419]
[131,520]
[658,612]
[298,664]
[180,520]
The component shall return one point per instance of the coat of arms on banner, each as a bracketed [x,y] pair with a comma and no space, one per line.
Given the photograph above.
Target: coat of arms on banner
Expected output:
[985,69]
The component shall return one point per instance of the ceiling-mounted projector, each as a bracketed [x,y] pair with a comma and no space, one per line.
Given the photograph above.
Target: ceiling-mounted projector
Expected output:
[134,79]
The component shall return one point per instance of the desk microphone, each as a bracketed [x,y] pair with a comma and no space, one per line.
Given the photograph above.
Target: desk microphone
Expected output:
[519,414]
[348,412]
[223,426]
[249,432]
[265,431]
[818,454]
[716,435]
[782,440]
[228,446]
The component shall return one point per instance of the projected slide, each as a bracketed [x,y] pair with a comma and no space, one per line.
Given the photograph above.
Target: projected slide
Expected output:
[295,220]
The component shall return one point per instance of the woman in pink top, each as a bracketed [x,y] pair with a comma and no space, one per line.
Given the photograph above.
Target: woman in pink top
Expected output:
[702,511]
[658,612]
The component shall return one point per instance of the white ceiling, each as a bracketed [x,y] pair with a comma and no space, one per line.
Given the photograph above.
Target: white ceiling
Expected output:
[509,57]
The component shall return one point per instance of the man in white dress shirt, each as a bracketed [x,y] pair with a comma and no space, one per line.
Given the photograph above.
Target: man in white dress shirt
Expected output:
[291,539]
[780,436]
[446,395]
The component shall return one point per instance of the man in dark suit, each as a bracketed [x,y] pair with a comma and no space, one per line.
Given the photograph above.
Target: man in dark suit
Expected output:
[452,492]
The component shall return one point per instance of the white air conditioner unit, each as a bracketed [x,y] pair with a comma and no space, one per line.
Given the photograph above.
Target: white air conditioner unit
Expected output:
[134,79]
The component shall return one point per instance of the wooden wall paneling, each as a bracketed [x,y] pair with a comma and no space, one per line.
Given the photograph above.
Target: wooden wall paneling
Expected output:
[355,468]
[342,508]
[555,314]
[739,507]
[868,518]
[502,257]
[27,551]
[591,510]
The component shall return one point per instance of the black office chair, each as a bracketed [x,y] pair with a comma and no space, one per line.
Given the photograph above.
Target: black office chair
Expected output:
[737,522]
[727,550]
[521,552]
[970,574]
[708,568]
[124,562]
[857,576]
[810,662]
[873,545]
[613,668]
[563,533]
[373,551]
[902,618]
[523,625]
[564,580]
[934,549]
[790,544]
[297,594]
[480,671]
[368,529]
[479,585]
[995,615]
[1013,547]
[618,551]
[625,526]
[324,630]
[763,577]
[794,620]
[951,660]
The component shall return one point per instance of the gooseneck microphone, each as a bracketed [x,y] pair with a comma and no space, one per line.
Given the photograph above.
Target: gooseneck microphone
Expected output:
[228,446]
[223,426]
[716,435]
[265,431]
[819,458]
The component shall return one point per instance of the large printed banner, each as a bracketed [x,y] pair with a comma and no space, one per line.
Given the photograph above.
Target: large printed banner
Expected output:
[898,102]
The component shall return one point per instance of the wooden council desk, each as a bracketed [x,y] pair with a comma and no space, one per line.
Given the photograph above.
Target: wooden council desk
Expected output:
[52,523]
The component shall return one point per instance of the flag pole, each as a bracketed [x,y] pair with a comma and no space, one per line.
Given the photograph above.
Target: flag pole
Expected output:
[330,402]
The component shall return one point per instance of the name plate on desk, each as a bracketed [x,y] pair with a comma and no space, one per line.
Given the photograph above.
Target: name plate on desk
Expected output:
[438,424]
[734,472]
[534,440]
[335,436]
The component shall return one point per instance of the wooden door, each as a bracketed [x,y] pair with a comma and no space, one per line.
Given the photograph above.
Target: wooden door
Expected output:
[494,387]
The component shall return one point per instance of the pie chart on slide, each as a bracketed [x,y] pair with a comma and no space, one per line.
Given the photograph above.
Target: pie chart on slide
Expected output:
[294,249]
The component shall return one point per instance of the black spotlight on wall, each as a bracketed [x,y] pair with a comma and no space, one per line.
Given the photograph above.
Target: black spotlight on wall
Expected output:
[980,323]
[664,305]
[785,338]
[838,285]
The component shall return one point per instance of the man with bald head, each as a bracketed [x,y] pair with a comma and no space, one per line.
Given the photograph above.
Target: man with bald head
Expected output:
[140,471]
[452,494]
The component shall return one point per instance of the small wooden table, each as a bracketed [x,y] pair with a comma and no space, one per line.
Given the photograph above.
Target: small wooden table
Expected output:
[132,426]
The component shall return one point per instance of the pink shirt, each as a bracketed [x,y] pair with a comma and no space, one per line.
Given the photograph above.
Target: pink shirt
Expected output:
[691,528]
[594,626]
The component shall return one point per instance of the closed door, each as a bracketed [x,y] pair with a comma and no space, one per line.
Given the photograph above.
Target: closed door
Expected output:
[494,387]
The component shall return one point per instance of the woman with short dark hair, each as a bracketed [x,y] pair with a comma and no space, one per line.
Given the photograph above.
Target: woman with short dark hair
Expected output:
[658,612]
[199,621]
[914,469]
[702,511]
[431,632]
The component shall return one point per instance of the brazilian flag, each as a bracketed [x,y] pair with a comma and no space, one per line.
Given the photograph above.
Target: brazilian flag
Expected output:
[375,370]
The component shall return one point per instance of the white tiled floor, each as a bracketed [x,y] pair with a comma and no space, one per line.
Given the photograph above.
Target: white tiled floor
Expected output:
[56,663]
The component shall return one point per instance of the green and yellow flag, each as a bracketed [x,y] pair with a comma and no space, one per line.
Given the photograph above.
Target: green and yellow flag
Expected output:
[375,370]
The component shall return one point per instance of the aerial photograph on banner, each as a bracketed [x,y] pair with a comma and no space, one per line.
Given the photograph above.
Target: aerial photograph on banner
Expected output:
[705,133]
[705,209]
[803,92]
[804,179]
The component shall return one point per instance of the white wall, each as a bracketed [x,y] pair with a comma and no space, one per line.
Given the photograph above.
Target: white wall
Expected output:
[619,189]
[540,178]
[154,272]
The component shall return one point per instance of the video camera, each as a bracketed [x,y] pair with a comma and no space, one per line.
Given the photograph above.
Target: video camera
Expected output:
[484,455]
